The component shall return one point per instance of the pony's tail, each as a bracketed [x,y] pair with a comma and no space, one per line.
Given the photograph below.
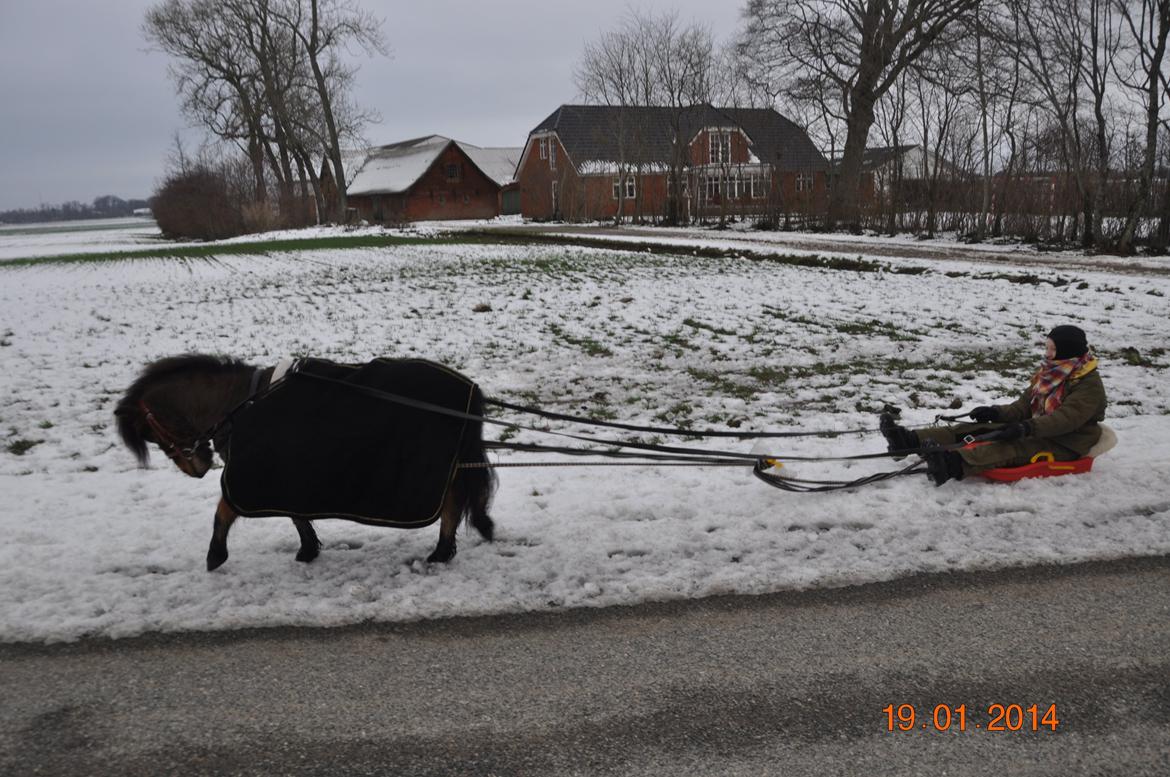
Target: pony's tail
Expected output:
[476,485]
[126,413]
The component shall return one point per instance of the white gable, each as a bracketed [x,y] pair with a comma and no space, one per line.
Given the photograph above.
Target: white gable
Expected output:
[395,168]
[499,164]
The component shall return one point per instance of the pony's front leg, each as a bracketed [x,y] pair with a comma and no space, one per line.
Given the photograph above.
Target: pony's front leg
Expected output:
[225,516]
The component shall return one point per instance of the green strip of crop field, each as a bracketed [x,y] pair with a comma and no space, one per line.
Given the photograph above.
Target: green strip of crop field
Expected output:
[258,247]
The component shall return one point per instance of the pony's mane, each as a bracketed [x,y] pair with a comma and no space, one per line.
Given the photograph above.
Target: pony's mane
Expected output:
[127,412]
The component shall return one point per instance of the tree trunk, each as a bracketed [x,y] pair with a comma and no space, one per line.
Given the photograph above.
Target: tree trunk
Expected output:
[1153,102]
[314,51]
[843,202]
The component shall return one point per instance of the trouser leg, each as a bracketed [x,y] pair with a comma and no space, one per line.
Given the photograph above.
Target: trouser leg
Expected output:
[990,455]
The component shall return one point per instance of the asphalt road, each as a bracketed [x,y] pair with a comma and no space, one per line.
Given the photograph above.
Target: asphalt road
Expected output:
[785,684]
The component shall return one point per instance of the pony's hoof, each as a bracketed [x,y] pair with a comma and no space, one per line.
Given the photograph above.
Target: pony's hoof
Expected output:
[216,557]
[485,526]
[308,554]
[443,553]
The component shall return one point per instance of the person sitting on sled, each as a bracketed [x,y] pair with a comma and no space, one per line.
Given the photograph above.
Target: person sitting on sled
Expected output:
[1058,414]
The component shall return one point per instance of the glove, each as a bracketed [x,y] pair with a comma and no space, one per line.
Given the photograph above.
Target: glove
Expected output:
[1015,431]
[984,414]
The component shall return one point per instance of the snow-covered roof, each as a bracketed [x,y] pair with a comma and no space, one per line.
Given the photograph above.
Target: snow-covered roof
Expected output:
[497,163]
[395,168]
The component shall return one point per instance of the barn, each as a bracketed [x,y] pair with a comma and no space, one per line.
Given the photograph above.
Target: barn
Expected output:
[429,178]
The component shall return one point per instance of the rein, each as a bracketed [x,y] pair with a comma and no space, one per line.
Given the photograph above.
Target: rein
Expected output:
[680,451]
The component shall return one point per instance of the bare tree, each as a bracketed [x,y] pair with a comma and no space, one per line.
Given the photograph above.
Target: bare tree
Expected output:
[651,60]
[214,73]
[1065,46]
[329,27]
[1147,23]
[268,74]
[860,47]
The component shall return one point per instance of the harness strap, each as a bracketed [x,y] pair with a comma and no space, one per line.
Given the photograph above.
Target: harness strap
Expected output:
[666,430]
[433,408]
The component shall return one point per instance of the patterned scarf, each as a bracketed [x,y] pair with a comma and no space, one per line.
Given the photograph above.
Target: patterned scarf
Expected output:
[1050,383]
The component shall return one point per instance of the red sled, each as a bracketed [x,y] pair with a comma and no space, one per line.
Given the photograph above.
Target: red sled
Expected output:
[1042,468]
[1044,464]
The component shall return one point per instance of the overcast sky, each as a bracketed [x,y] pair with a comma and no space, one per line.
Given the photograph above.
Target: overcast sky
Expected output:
[87,110]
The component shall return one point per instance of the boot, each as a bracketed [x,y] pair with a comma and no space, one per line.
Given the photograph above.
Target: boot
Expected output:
[941,465]
[898,438]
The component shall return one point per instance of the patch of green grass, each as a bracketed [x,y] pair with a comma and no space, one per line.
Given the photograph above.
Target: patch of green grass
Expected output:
[874,327]
[721,384]
[22,446]
[260,247]
[679,413]
[695,324]
[586,344]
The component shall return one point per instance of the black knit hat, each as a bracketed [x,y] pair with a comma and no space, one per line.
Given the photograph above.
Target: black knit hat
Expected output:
[1070,341]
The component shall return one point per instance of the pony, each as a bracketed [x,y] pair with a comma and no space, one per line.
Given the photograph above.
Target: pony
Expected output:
[182,404]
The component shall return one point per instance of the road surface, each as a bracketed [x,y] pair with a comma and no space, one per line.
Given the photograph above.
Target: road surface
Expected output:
[783,684]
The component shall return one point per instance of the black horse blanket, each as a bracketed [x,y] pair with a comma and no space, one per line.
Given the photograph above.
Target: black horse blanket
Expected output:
[315,445]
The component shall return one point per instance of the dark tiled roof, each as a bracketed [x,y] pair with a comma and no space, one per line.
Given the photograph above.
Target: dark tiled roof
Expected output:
[600,133]
[875,157]
[879,155]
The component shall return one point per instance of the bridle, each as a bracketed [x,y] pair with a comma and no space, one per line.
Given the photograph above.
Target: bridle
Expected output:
[169,443]
[182,454]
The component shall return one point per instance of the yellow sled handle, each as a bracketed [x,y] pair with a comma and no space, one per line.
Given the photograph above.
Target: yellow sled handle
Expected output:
[1043,456]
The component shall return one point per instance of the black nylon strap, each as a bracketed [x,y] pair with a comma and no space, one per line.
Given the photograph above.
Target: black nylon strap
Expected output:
[674,432]
[420,405]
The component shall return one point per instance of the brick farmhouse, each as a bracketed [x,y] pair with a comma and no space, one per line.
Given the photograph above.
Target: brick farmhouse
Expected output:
[428,178]
[589,162]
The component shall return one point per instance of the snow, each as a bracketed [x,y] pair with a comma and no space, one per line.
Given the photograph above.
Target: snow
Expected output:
[395,168]
[498,163]
[97,547]
[18,241]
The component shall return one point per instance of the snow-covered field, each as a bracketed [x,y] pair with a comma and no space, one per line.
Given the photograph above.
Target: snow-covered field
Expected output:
[18,241]
[95,546]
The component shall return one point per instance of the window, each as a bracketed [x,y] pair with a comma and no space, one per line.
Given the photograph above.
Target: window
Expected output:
[552,153]
[554,197]
[543,148]
[631,189]
[759,185]
[454,171]
[712,186]
[804,182]
[720,143]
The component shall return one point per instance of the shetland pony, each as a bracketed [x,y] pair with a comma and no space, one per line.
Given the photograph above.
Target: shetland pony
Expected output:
[179,402]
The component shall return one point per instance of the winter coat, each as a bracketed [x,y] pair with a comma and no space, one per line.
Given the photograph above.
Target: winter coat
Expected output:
[1074,424]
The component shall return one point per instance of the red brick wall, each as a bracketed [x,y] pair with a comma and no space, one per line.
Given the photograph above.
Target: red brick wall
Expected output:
[434,197]
[536,177]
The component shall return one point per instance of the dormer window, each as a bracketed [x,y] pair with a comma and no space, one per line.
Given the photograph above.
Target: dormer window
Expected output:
[720,145]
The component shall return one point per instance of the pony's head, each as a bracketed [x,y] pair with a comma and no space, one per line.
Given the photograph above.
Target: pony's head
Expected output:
[169,405]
